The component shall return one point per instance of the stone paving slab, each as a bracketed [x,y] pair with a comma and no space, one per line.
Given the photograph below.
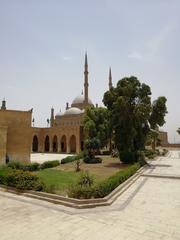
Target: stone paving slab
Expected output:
[149,209]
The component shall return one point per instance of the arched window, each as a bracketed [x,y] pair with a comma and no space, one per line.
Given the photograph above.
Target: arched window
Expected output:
[55,144]
[46,144]
[63,144]
[35,144]
[72,144]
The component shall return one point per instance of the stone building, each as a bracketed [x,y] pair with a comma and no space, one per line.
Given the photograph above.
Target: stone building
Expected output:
[15,135]
[65,135]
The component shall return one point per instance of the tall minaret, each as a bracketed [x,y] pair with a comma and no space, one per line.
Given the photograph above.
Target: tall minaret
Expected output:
[86,80]
[110,79]
[3,107]
[52,117]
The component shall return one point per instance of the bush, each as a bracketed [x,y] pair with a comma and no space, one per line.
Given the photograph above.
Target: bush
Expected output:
[108,185]
[104,188]
[85,179]
[150,154]
[23,180]
[77,191]
[164,152]
[106,152]
[4,170]
[71,158]
[89,160]
[25,167]
[49,164]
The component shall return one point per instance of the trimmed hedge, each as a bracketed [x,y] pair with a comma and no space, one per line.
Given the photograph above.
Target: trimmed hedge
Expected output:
[31,167]
[104,188]
[90,160]
[20,179]
[25,167]
[69,159]
[49,164]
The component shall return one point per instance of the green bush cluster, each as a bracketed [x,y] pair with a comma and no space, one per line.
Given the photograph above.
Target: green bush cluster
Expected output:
[49,164]
[25,167]
[150,154]
[31,167]
[20,179]
[69,159]
[164,152]
[103,188]
[85,179]
[88,159]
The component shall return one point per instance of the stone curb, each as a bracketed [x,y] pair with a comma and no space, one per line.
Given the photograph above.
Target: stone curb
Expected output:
[161,176]
[79,203]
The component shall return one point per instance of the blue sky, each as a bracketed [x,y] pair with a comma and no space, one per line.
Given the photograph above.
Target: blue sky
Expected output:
[42,46]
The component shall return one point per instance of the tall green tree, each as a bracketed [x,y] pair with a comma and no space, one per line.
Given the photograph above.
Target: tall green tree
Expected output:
[97,130]
[159,111]
[178,131]
[129,105]
[157,118]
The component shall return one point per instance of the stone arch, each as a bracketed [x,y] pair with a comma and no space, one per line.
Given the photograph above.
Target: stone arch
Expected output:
[35,144]
[63,144]
[47,144]
[55,144]
[72,144]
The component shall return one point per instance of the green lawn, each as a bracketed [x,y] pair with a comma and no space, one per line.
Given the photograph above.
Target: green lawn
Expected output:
[58,180]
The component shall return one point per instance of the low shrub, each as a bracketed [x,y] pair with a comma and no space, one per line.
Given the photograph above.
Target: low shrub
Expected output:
[90,160]
[25,167]
[49,164]
[23,180]
[105,187]
[81,192]
[108,185]
[71,159]
[106,152]
[4,170]
[150,154]
[85,179]
[164,152]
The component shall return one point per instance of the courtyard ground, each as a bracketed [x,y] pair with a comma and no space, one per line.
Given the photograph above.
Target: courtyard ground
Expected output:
[149,209]
[42,157]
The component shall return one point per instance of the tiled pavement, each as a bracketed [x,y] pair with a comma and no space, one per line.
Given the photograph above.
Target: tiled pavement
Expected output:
[149,209]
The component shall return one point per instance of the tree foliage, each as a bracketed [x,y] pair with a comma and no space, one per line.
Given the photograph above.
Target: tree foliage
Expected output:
[178,131]
[158,113]
[130,109]
[96,125]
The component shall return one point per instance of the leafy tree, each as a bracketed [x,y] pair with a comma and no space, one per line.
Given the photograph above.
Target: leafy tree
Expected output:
[158,113]
[157,118]
[129,104]
[96,126]
[178,131]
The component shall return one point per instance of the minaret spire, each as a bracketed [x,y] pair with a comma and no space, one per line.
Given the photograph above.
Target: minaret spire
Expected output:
[110,79]
[86,80]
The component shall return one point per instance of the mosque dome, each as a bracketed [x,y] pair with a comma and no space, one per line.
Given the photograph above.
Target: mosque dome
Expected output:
[73,111]
[80,100]
[59,114]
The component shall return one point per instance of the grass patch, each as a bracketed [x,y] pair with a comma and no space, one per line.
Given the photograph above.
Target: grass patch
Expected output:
[57,181]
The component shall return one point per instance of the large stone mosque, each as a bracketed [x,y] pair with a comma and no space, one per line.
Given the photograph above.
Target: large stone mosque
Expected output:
[18,138]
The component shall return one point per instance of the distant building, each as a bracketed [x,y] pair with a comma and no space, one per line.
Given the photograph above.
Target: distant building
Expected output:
[65,134]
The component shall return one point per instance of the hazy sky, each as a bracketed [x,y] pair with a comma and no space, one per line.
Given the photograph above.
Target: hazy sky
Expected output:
[42,46]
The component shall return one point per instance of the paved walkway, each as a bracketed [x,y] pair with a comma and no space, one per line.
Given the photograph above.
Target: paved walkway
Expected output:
[149,209]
